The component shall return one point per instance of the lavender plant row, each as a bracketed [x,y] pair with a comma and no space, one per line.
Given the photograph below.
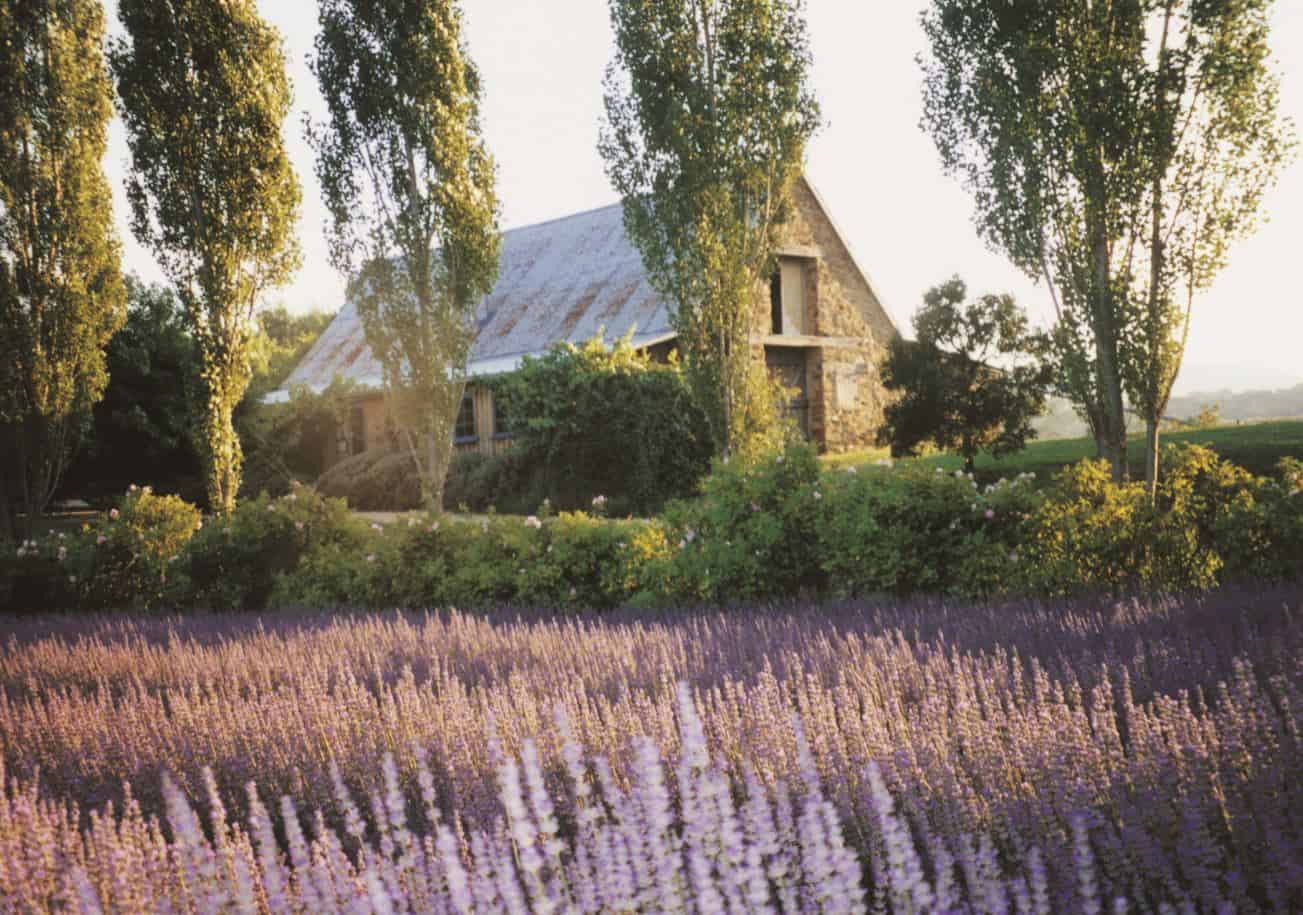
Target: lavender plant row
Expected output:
[624,850]
[914,758]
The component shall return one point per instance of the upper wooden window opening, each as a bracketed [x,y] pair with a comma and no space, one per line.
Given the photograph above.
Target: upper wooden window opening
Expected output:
[787,299]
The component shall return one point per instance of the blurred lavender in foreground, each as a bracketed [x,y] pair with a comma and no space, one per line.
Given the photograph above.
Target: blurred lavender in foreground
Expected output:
[628,850]
[920,757]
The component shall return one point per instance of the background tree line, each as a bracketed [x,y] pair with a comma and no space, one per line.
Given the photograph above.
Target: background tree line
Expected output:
[148,420]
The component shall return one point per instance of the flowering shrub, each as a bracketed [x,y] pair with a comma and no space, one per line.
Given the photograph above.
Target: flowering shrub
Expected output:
[753,532]
[127,557]
[1264,539]
[582,561]
[912,530]
[1285,520]
[233,563]
[1213,522]
[769,527]
[572,560]
[922,758]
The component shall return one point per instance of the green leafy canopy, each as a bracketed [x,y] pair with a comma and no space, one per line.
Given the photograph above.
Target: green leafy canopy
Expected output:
[708,112]
[970,382]
[1114,150]
[410,186]
[61,291]
[203,94]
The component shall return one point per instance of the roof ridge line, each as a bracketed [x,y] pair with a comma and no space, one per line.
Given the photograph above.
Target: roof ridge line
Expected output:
[555,219]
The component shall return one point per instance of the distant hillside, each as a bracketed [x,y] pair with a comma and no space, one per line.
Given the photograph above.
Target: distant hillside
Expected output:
[1232,406]
[1061,421]
[1280,404]
[1197,377]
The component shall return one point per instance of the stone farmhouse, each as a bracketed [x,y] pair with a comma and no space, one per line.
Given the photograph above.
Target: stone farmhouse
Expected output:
[821,328]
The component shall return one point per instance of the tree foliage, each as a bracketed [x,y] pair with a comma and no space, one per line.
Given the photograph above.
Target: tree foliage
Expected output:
[708,112]
[1215,145]
[143,431]
[1114,150]
[593,420]
[970,382]
[61,292]
[204,96]
[410,186]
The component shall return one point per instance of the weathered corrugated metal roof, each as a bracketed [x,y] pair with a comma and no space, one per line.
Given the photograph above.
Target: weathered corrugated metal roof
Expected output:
[558,281]
[564,280]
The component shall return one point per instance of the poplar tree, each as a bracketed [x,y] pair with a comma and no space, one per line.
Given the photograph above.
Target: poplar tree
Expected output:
[708,112]
[204,95]
[1114,150]
[1214,144]
[410,186]
[61,291]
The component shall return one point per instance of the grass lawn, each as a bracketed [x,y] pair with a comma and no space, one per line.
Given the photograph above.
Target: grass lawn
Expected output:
[1258,447]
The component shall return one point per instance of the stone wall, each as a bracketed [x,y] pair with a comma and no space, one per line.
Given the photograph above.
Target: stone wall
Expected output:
[845,387]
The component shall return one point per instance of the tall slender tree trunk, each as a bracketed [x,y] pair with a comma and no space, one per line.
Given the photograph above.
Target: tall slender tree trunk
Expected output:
[1151,457]
[8,517]
[434,473]
[1112,434]
[33,448]
[224,455]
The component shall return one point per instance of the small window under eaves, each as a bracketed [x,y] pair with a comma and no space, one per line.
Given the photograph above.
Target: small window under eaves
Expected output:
[776,302]
[793,283]
[787,299]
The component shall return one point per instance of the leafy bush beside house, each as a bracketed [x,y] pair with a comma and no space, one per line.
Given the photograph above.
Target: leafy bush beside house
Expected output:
[501,482]
[375,480]
[591,420]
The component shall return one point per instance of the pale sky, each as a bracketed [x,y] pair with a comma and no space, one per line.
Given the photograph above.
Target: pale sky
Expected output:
[910,226]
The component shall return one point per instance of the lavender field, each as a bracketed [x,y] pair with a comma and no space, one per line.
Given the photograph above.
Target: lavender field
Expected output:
[1141,757]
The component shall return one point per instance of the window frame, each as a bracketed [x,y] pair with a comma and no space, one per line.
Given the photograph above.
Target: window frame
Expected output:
[501,426]
[357,437]
[776,301]
[457,437]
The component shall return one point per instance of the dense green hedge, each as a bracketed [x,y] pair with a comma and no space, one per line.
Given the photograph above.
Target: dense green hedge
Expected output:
[594,420]
[763,529]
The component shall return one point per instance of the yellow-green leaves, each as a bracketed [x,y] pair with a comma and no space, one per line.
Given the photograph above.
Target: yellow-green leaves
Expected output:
[708,111]
[61,292]
[204,97]
[1114,150]
[410,186]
